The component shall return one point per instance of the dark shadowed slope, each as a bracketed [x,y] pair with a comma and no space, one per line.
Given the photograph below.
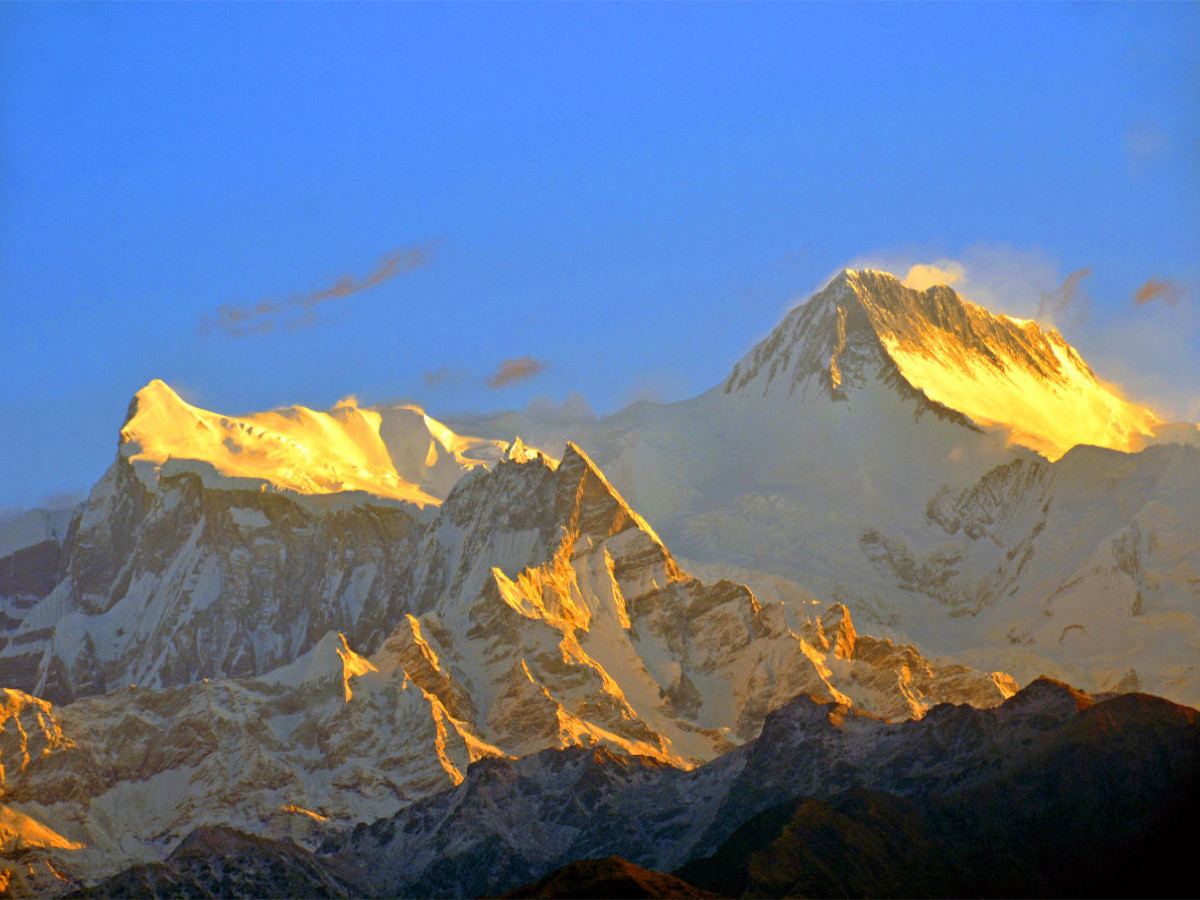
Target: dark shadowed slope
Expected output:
[1105,810]
[611,877]
[223,862]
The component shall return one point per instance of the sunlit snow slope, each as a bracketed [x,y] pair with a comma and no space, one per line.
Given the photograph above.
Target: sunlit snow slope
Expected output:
[998,370]
[993,369]
[396,452]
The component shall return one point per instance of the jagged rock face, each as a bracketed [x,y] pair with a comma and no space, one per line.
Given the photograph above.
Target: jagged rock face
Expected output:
[1087,565]
[835,343]
[164,587]
[532,608]
[512,821]
[219,546]
[534,581]
[31,570]
[1051,791]
[1001,514]
[27,575]
[565,620]
[895,681]
[1092,799]
[506,823]
[327,741]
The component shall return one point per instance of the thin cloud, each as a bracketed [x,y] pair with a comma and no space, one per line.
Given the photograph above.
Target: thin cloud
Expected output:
[513,370]
[926,275]
[1145,148]
[1163,289]
[1000,277]
[299,310]
[444,375]
[573,410]
[657,387]
[1003,279]
[1068,293]
[52,502]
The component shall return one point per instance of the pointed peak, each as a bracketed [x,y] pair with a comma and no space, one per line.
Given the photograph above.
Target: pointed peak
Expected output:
[575,459]
[518,452]
[836,614]
[843,284]
[577,467]
[1051,695]
[947,355]
[588,499]
[154,410]
[872,275]
[157,387]
[795,719]
[839,630]
[863,279]
[826,344]
[156,394]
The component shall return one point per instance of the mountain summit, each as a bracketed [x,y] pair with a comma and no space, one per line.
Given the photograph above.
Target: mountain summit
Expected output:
[395,452]
[993,370]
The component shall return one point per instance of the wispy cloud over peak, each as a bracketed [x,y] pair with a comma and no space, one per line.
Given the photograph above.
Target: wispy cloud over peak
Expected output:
[926,275]
[1068,294]
[510,371]
[444,375]
[573,409]
[299,310]
[1163,289]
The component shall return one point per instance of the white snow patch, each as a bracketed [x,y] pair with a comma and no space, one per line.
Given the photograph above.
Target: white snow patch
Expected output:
[249,518]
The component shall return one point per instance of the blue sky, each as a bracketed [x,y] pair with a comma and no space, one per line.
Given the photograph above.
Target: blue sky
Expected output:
[394,200]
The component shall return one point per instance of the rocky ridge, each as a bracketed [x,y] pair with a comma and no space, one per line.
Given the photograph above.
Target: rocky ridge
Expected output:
[1053,793]
[162,587]
[534,609]
[474,839]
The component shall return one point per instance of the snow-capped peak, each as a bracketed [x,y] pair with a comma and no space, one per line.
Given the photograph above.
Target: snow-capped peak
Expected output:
[994,370]
[396,452]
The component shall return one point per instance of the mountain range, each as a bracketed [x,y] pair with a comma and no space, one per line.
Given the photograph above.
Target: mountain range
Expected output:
[318,641]
[959,479]
[1053,793]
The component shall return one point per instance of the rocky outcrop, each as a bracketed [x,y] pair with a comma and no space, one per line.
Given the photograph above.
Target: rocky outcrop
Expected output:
[327,741]
[551,614]
[165,587]
[1053,793]
[223,862]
